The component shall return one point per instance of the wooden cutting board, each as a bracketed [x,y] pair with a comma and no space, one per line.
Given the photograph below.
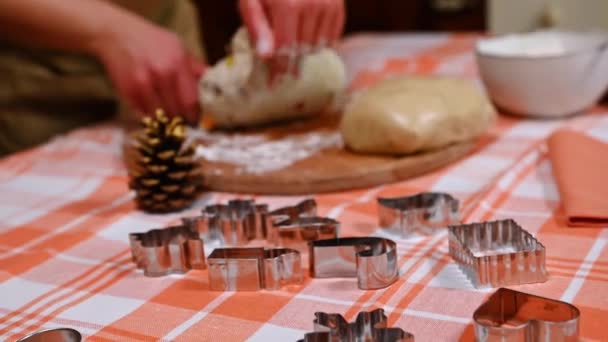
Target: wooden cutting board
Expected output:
[328,170]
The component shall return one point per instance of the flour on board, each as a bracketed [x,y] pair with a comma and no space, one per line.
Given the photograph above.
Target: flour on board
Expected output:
[257,154]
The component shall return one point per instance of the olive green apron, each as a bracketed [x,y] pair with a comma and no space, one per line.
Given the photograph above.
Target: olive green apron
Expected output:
[45,93]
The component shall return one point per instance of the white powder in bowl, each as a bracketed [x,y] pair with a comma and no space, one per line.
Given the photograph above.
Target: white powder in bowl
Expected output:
[256,153]
[540,43]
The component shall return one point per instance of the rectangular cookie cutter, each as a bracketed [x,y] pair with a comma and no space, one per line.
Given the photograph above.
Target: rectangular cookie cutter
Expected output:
[510,316]
[369,326]
[253,269]
[497,253]
[423,213]
[160,252]
[373,260]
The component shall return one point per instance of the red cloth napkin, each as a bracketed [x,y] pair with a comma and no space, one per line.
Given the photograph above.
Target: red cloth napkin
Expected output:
[580,168]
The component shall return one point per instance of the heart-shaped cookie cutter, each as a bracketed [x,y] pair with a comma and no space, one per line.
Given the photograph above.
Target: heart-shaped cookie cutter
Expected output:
[510,316]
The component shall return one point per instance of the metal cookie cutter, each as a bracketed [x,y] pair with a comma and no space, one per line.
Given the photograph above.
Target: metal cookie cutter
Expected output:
[53,335]
[232,224]
[253,269]
[422,213]
[372,260]
[306,208]
[170,250]
[296,232]
[370,326]
[241,221]
[296,225]
[497,253]
[509,316]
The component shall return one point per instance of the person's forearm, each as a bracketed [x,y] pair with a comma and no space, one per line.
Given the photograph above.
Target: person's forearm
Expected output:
[73,25]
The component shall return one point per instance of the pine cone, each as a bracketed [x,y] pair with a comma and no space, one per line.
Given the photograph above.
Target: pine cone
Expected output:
[163,171]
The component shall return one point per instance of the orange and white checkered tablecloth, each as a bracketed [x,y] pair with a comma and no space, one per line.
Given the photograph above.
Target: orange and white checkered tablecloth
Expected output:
[65,215]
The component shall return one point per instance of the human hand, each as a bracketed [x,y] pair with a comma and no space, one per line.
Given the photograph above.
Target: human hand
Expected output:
[279,27]
[151,68]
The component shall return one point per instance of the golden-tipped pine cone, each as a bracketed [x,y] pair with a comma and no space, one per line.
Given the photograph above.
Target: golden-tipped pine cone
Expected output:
[163,172]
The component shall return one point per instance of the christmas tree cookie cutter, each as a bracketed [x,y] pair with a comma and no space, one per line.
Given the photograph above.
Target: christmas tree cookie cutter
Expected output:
[159,252]
[369,326]
[422,213]
[240,221]
[510,315]
[253,269]
[373,260]
[232,224]
[497,253]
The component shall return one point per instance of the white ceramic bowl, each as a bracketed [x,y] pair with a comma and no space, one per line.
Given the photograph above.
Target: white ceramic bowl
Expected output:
[544,74]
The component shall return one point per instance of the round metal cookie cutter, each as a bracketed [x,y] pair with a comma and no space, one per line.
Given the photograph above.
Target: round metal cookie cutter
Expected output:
[53,335]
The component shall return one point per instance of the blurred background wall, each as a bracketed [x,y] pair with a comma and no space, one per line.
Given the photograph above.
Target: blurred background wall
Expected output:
[523,15]
[220,18]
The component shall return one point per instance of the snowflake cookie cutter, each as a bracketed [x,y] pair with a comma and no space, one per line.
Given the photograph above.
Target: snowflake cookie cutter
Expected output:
[369,326]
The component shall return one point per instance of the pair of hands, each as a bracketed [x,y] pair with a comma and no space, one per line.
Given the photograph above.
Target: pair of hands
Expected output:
[151,68]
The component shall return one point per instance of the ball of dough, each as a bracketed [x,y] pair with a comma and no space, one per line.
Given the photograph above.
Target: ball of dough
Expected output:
[236,92]
[408,115]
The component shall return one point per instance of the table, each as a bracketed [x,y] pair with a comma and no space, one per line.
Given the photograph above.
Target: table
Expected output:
[66,212]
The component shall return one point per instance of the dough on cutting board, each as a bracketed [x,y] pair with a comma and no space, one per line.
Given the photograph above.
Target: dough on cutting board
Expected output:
[412,114]
[235,91]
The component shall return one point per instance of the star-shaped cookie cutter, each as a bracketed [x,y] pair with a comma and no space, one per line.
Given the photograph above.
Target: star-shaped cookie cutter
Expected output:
[253,269]
[373,260]
[160,252]
[369,326]
[510,315]
[422,213]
